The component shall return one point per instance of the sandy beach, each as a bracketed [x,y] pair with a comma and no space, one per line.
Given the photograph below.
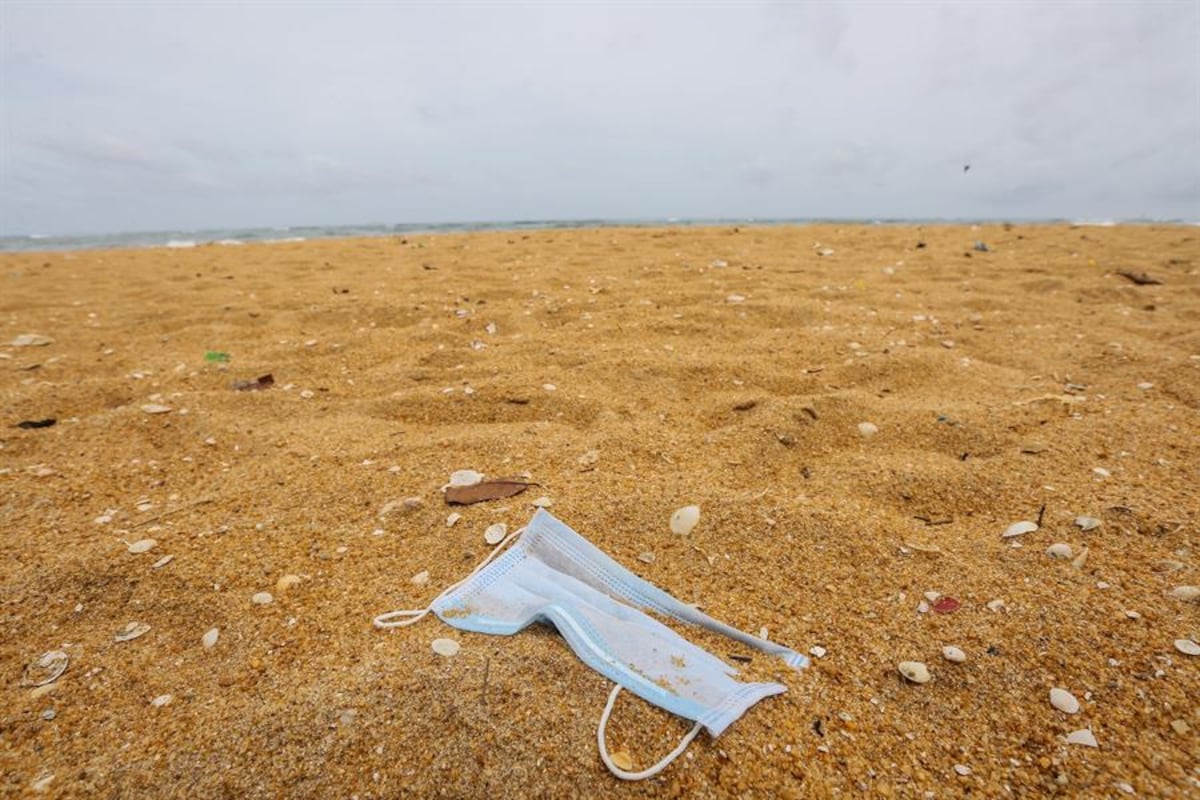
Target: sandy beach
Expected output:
[860,412]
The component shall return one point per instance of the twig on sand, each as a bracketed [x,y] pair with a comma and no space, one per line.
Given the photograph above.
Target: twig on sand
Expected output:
[487,669]
[1041,514]
[1140,278]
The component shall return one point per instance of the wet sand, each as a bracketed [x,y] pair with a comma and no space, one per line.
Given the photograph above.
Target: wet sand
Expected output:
[630,372]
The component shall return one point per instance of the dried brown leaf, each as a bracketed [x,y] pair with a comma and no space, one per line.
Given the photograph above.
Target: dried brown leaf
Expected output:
[495,489]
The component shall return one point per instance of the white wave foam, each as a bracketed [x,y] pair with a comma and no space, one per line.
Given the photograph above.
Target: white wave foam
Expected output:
[286,239]
[181,243]
[230,242]
[1094,223]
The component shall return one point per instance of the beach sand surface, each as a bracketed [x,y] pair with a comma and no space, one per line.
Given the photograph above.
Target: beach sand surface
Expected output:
[628,371]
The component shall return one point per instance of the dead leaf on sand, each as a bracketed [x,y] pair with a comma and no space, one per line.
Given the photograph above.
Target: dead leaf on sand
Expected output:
[495,489]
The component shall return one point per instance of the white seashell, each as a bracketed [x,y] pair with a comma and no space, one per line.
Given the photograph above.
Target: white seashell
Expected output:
[1087,523]
[995,605]
[141,546]
[685,519]
[735,298]
[1084,737]
[453,518]
[445,647]
[1059,550]
[923,607]
[1102,472]
[962,769]
[463,477]
[209,640]
[1133,615]
[914,671]
[131,631]
[155,408]
[646,558]
[542,502]
[495,533]
[1168,565]
[549,387]
[951,653]
[1185,593]
[31,340]
[421,578]
[162,700]
[1019,528]
[816,651]
[262,599]
[1187,647]
[162,562]
[47,668]
[1064,701]
[932,596]
[867,429]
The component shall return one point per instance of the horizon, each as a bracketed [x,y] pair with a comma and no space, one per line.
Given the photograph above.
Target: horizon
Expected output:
[124,118]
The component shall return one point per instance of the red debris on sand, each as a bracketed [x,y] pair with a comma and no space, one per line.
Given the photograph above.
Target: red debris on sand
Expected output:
[947,605]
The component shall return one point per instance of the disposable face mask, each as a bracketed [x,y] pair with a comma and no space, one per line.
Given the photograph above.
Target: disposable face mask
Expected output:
[552,574]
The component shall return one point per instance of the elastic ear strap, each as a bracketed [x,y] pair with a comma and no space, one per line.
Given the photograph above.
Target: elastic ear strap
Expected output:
[646,773]
[395,619]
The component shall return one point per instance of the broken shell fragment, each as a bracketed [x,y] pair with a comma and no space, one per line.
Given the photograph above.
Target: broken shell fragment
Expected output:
[495,533]
[685,519]
[1185,593]
[1059,550]
[867,429]
[262,599]
[421,578]
[1084,737]
[445,647]
[1080,561]
[951,653]
[1064,701]
[646,558]
[286,582]
[141,546]
[622,760]
[131,631]
[464,477]
[45,669]
[1019,528]
[209,640]
[914,671]
[453,518]
[1087,523]
[1187,647]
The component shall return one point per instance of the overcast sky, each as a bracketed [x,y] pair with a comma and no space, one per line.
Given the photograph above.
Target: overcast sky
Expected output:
[193,115]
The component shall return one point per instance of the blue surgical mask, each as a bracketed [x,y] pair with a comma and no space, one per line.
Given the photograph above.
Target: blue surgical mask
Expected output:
[552,574]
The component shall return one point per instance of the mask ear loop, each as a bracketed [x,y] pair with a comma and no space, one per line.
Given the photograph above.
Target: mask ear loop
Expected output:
[649,772]
[396,619]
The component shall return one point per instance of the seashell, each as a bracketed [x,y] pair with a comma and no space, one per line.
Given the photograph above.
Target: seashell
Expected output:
[867,429]
[932,596]
[622,760]
[155,408]
[542,502]
[421,578]
[1187,647]
[646,558]
[951,653]
[445,647]
[816,651]
[262,599]
[209,639]
[1084,737]
[495,533]
[464,477]
[131,631]
[162,700]
[1059,550]
[1185,593]
[453,518]
[1019,528]
[162,562]
[1168,565]
[46,668]
[1087,523]
[1080,560]
[685,519]
[286,582]
[914,671]
[1064,701]
[31,340]
[995,605]
[141,546]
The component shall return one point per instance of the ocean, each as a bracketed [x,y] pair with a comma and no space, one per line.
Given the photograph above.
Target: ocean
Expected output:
[239,236]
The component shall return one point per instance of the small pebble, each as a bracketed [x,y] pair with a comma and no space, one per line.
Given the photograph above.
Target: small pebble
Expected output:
[1059,550]
[646,558]
[1133,615]
[464,477]
[622,760]
[685,519]
[932,596]
[1080,561]
[914,671]
[951,653]
[286,582]
[1082,737]
[542,502]
[816,651]
[962,769]
[1064,701]
[262,599]
[495,533]
[1019,528]
[1180,726]
[995,605]
[1125,787]
[49,714]
[735,298]
[867,429]
[445,647]
[549,387]
[141,546]
[421,578]
[209,639]
[162,700]
[1145,385]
